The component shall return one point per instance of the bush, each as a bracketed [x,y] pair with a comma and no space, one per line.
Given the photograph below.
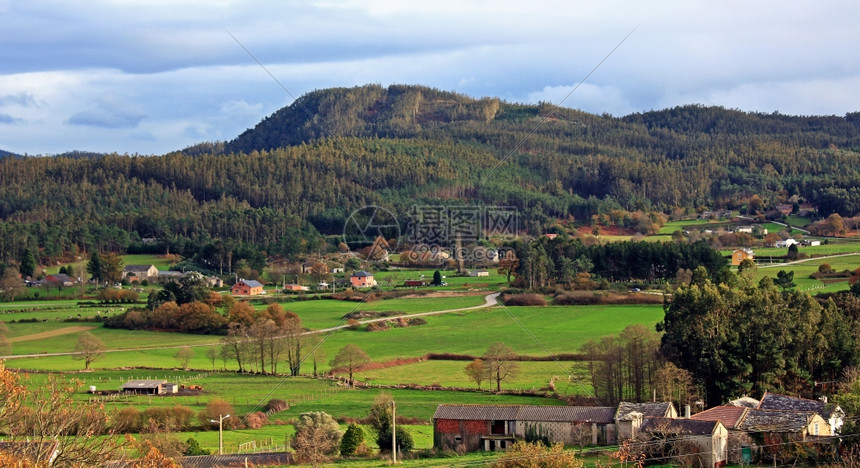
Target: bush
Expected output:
[404,440]
[217,408]
[275,406]
[193,448]
[352,439]
[127,420]
[317,438]
[256,420]
[527,299]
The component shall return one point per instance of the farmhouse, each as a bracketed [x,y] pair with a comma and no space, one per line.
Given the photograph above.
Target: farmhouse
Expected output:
[146,387]
[740,255]
[495,427]
[245,287]
[474,427]
[362,279]
[710,437]
[830,412]
[729,416]
[630,416]
[477,273]
[568,424]
[140,272]
[60,279]
[785,425]
[295,287]
[785,243]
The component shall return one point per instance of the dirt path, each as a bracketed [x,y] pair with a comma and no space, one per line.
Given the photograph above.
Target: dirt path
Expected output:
[50,334]
[489,301]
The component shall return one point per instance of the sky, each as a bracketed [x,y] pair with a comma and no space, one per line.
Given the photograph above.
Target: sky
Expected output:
[154,76]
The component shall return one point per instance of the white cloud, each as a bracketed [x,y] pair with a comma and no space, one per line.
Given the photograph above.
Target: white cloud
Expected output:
[108,113]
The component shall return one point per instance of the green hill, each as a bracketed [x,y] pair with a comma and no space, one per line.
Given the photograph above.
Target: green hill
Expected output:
[302,170]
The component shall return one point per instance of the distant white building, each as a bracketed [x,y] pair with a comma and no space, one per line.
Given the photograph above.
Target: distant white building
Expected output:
[785,243]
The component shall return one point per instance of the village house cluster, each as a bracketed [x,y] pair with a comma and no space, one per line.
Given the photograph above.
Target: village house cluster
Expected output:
[720,435]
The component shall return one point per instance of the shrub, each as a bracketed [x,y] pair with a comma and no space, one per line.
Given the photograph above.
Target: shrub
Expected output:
[192,447]
[404,440]
[256,420]
[275,405]
[527,299]
[217,408]
[127,420]
[352,439]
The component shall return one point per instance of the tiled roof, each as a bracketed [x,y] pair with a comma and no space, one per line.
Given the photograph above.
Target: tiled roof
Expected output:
[775,401]
[656,410]
[476,412]
[252,283]
[595,414]
[362,274]
[137,267]
[679,426]
[775,420]
[728,415]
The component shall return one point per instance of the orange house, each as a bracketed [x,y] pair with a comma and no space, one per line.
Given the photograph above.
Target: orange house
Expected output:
[740,255]
[247,288]
[362,279]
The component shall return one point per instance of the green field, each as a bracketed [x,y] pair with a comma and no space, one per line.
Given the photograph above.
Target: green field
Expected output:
[803,269]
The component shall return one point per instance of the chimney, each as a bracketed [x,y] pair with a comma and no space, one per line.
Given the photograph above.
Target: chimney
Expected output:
[687,412]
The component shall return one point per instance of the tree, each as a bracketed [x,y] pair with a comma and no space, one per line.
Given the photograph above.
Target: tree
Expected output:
[785,280]
[349,358]
[437,278]
[88,348]
[317,438]
[50,411]
[28,264]
[184,355]
[499,364]
[352,439]
[11,283]
[213,353]
[190,288]
[94,267]
[476,371]
[381,419]
[792,252]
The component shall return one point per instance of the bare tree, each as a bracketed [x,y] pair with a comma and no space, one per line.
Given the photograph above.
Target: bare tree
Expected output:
[350,358]
[11,283]
[500,365]
[88,348]
[184,356]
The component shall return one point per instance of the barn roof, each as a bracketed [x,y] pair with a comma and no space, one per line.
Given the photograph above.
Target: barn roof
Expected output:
[131,384]
[679,426]
[476,412]
[595,414]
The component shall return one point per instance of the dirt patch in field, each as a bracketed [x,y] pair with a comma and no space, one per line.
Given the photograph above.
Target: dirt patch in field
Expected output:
[50,334]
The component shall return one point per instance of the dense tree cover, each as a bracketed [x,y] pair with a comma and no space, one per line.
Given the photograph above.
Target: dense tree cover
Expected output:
[746,338]
[278,185]
[543,262]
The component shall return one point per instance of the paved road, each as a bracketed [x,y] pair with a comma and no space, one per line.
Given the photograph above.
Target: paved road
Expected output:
[489,301]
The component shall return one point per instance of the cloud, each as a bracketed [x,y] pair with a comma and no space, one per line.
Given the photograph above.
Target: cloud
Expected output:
[8,119]
[587,97]
[22,99]
[108,114]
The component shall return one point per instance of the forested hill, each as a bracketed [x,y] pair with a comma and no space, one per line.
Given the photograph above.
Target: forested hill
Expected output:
[303,169]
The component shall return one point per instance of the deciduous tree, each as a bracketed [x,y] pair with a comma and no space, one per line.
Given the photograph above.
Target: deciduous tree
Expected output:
[88,348]
[317,438]
[499,364]
[349,358]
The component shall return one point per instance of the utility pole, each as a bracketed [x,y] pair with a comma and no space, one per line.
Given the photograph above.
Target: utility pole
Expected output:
[220,422]
[393,433]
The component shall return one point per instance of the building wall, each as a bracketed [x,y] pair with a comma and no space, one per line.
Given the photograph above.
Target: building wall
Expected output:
[449,433]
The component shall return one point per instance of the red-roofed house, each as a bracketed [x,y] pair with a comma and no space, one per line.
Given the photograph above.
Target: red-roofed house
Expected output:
[728,415]
[245,287]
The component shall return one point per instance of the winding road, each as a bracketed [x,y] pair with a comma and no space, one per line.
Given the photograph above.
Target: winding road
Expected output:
[489,301]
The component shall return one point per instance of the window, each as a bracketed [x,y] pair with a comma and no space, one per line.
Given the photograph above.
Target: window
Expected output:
[816,429]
